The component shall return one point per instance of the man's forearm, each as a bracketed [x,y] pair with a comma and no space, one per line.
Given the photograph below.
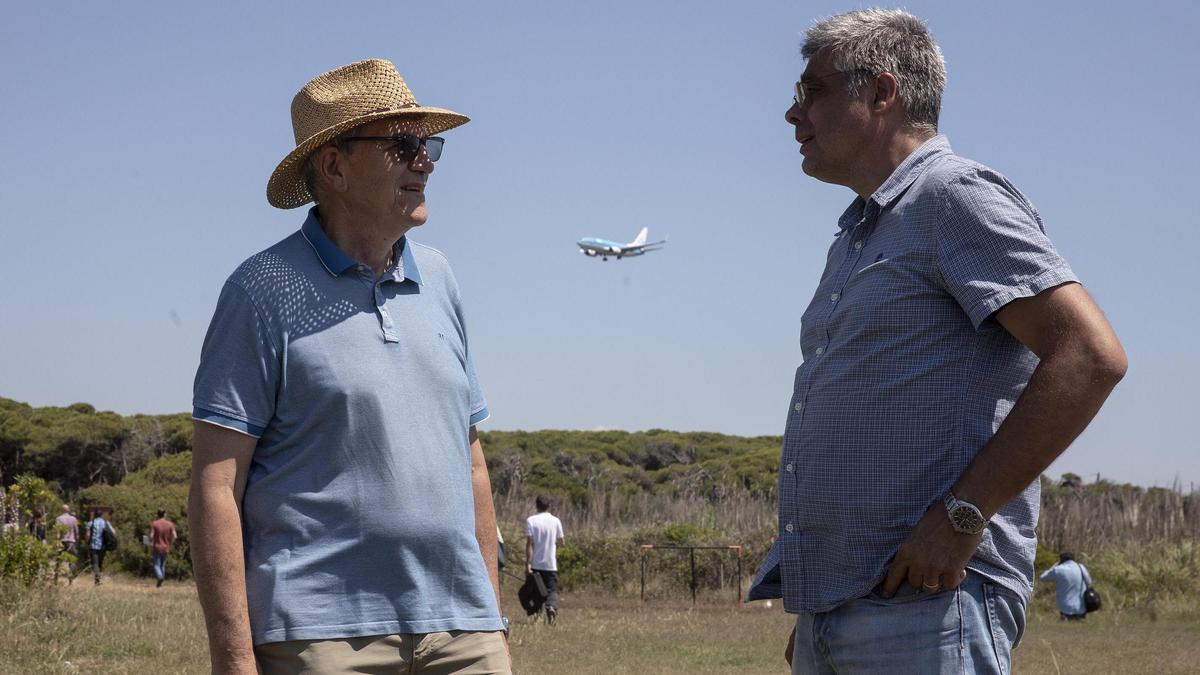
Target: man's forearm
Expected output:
[1063,395]
[219,566]
[485,521]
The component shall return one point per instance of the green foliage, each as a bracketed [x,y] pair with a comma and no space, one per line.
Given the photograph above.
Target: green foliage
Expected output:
[135,503]
[597,561]
[33,496]
[78,446]
[169,470]
[1149,572]
[24,559]
[577,465]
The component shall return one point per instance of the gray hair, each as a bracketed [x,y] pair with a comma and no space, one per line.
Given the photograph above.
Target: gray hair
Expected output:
[868,42]
[309,171]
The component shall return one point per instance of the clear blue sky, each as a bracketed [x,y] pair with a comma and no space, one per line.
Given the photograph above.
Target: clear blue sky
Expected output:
[139,138]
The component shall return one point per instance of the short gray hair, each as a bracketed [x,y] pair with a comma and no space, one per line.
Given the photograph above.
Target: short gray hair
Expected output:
[309,171]
[868,42]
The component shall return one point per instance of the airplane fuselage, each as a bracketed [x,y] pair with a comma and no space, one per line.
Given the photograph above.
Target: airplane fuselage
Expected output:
[593,246]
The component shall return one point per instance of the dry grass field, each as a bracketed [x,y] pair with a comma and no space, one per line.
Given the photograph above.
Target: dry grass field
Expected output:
[128,626]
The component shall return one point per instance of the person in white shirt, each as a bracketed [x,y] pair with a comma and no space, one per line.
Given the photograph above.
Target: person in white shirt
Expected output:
[543,536]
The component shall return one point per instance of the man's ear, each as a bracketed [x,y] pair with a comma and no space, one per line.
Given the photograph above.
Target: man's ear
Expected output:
[887,93]
[330,164]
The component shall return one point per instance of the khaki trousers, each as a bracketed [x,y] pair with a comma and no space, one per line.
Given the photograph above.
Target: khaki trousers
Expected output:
[458,652]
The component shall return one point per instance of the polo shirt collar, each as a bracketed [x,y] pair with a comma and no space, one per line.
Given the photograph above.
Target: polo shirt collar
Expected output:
[909,169]
[335,260]
[902,177]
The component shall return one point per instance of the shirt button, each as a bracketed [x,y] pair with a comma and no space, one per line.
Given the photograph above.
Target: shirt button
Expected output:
[790,468]
[789,527]
[835,296]
[820,351]
[858,245]
[798,407]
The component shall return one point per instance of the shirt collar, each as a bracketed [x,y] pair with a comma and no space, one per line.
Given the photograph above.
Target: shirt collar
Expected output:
[336,261]
[902,177]
[407,269]
[333,258]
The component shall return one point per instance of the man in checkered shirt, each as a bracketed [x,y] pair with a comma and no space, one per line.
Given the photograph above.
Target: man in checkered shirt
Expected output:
[950,354]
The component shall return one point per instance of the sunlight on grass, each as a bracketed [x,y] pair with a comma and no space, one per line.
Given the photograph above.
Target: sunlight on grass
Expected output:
[128,626]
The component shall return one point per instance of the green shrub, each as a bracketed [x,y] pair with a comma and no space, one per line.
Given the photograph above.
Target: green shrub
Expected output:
[135,503]
[25,559]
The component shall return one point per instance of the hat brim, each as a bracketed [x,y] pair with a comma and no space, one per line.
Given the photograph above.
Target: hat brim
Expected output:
[286,188]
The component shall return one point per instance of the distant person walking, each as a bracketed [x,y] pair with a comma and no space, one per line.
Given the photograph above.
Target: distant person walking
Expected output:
[68,538]
[98,528]
[543,536]
[162,535]
[37,525]
[1070,579]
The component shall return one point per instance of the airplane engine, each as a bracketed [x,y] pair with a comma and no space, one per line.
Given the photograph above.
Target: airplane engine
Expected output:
[588,252]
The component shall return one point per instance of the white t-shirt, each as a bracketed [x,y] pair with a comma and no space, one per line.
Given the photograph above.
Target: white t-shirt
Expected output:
[545,530]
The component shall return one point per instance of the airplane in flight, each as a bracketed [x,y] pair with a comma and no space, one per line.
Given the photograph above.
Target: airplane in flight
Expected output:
[592,247]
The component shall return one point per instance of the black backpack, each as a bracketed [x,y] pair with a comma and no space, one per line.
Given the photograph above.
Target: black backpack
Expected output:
[109,538]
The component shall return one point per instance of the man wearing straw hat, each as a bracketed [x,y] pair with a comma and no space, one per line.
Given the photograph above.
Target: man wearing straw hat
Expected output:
[950,354]
[341,511]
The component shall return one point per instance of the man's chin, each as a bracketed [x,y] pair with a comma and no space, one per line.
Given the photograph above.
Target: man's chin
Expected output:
[809,170]
[416,217]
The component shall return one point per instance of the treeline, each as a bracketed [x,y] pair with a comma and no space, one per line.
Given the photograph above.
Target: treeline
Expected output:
[77,446]
[614,490]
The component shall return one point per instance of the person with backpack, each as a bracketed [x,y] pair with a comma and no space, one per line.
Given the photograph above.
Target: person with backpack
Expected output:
[543,536]
[102,538]
[1071,580]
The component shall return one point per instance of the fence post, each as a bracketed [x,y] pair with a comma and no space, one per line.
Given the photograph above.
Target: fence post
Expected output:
[739,573]
[644,547]
[692,551]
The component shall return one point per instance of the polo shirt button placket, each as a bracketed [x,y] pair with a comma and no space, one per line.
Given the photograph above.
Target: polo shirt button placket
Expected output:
[385,317]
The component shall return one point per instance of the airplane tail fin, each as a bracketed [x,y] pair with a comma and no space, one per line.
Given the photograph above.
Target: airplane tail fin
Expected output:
[641,238]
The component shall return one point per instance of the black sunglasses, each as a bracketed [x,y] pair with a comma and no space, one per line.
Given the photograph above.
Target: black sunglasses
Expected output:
[408,146]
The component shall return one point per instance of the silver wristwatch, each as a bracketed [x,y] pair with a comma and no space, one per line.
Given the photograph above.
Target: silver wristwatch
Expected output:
[965,518]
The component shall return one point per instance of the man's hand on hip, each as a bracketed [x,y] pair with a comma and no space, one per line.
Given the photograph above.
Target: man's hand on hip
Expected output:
[933,557]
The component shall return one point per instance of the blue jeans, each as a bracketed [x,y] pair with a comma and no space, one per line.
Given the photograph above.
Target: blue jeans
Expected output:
[971,629]
[160,565]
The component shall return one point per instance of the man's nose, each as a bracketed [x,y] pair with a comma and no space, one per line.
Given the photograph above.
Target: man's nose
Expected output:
[794,114]
[421,162]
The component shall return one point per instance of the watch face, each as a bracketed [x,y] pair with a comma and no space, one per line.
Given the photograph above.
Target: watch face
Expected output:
[967,520]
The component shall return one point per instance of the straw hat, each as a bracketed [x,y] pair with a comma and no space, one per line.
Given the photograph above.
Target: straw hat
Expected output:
[340,100]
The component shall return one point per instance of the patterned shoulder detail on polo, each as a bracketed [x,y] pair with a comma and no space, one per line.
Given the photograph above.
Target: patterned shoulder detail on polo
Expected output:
[269,275]
[283,292]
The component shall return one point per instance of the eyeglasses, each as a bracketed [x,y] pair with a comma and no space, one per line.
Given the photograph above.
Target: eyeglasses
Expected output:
[408,146]
[804,91]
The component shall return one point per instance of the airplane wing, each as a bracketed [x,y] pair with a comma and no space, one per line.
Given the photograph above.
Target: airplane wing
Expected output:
[642,248]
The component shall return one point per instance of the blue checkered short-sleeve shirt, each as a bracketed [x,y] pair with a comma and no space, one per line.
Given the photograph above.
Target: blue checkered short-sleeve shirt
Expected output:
[905,377]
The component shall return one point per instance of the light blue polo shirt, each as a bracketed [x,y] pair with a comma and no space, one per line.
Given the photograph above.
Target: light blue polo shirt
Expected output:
[358,516]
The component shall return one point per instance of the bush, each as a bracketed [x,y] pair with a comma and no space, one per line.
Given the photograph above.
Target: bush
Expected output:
[26,559]
[135,503]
